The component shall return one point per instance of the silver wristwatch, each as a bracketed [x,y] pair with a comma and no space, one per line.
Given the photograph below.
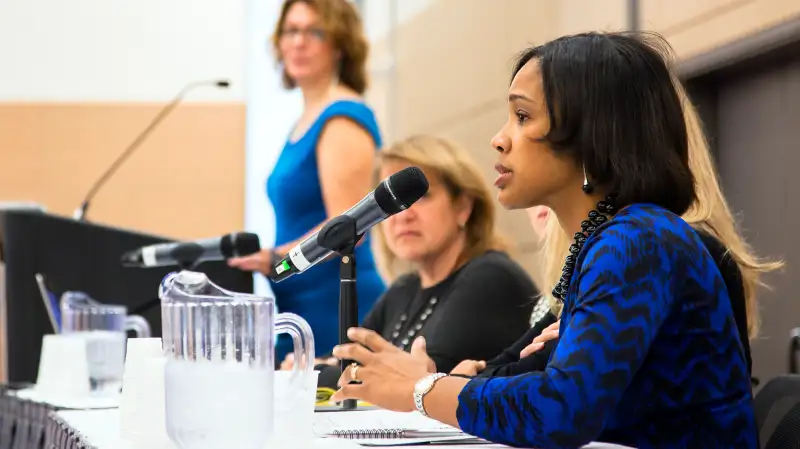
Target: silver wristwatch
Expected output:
[422,388]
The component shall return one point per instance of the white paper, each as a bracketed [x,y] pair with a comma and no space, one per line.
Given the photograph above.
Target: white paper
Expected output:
[327,422]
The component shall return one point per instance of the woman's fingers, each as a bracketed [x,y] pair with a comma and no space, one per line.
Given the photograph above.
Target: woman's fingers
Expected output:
[254,262]
[546,336]
[356,373]
[530,349]
[248,263]
[349,391]
[347,376]
[370,339]
[469,368]
[288,362]
[238,262]
[354,352]
[549,333]
[553,327]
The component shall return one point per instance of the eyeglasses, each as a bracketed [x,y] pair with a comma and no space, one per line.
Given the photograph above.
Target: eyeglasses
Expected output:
[317,34]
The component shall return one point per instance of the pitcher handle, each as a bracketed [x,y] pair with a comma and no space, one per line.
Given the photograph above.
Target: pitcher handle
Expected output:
[303,339]
[138,325]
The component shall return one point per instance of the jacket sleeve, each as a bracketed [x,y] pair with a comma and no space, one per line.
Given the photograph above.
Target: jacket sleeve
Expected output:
[623,297]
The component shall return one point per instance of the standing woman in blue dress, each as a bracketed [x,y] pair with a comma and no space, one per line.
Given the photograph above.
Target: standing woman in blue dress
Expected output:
[326,164]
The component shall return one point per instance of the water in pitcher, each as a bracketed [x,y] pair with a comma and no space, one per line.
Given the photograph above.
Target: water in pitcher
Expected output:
[105,356]
[220,365]
[241,416]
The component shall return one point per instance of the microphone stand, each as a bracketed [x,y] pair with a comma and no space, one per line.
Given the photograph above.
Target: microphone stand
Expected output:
[340,236]
[80,213]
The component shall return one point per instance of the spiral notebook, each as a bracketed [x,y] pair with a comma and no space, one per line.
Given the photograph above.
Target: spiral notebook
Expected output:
[406,437]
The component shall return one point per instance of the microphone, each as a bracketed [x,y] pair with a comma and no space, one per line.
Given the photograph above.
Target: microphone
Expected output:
[80,212]
[187,254]
[395,194]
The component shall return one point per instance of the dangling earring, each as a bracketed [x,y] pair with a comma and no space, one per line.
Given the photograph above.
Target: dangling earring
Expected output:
[587,187]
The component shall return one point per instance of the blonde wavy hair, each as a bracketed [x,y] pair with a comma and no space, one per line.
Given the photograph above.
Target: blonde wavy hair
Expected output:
[459,174]
[709,213]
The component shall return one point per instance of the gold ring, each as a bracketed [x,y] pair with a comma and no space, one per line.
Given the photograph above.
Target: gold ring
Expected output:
[354,371]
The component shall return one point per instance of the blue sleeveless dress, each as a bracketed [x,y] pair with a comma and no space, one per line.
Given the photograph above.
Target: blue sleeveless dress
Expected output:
[294,189]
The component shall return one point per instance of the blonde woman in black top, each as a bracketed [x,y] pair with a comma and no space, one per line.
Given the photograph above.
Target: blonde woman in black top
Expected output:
[452,281]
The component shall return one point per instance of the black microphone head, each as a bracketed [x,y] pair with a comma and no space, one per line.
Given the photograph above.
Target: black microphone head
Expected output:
[223,84]
[401,190]
[240,244]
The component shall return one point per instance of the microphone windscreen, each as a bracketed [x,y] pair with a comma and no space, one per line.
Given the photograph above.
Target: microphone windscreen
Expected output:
[401,190]
[247,243]
[240,244]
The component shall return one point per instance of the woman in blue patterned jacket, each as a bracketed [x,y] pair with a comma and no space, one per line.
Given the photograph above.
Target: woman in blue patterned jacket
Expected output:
[648,353]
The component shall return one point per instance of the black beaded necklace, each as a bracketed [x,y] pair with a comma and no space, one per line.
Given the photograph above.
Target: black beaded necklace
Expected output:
[605,210]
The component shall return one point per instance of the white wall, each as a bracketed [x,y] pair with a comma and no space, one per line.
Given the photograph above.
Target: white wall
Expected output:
[120,50]
[271,113]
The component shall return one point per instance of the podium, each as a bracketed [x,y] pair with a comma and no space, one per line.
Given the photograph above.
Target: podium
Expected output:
[77,256]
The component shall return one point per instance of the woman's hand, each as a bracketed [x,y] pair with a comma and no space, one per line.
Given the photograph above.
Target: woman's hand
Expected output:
[260,261]
[549,333]
[420,351]
[387,374]
[469,368]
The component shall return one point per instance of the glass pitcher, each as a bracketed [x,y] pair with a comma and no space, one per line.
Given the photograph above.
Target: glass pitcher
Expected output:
[220,349]
[104,329]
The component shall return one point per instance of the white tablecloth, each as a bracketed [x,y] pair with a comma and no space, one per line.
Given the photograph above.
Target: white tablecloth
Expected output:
[100,428]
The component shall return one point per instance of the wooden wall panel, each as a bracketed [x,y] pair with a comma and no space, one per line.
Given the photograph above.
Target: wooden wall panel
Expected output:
[185,181]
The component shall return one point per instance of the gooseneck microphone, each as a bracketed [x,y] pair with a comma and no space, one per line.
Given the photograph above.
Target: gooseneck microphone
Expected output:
[80,213]
[188,254]
[395,194]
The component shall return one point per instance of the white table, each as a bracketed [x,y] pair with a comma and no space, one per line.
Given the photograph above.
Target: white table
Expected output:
[100,428]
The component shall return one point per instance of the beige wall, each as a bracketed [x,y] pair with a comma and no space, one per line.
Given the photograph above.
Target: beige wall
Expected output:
[185,181]
[694,27]
[452,59]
